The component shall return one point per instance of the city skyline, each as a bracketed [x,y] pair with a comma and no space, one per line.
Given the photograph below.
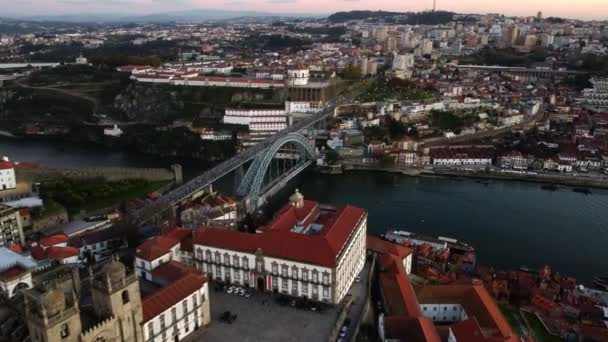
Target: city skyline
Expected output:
[585,9]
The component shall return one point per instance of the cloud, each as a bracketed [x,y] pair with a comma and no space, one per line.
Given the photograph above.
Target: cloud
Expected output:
[282,1]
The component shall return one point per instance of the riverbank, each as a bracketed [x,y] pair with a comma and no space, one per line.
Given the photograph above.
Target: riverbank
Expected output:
[558,179]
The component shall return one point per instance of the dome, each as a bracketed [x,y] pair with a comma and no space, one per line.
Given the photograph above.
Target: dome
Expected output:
[54,301]
[297,200]
[114,270]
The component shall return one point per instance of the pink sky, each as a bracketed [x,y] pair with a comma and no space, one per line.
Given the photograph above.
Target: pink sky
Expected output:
[587,9]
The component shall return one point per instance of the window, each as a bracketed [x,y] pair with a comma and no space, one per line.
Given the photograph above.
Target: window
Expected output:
[65,330]
[275,283]
[445,309]
[125,297]
[325,278]
[294,272]
[275,268]
[304,288]
[218,272]
[209,268]
[260,266]
[284,284]
[208,256]
[237,274]
[305,274]
[315,276]
[200,254]
[246,276]
[218,258]
[173,314]
[185,306]
[284,270]
[235,261]
[434,309]
[195,301]
[245,262]
[150,330]
[325,291]
[162,322]
[294,287]
[227,259]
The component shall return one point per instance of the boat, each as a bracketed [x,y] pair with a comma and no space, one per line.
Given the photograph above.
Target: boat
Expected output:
[440,242]
[585,191]
[549,187]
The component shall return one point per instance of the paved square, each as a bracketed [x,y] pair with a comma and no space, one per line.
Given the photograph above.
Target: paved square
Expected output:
[257,322]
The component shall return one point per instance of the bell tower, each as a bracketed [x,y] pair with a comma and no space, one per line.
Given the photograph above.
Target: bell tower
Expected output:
[51,315]
[116,293]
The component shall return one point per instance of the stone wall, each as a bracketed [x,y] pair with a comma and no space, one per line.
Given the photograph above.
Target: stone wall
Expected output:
[41,174]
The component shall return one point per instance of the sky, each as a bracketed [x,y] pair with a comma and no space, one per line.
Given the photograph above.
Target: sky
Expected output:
[583,9]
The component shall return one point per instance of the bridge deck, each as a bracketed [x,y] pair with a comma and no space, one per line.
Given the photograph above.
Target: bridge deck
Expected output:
[186,190]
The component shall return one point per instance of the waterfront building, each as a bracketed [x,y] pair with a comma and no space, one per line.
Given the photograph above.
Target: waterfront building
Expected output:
[7,175]
[11,227]
[462,155]
[513,160]
[420,313]
[308,250]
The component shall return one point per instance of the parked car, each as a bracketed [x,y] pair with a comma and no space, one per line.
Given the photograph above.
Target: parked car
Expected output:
[357,279]
[230,289]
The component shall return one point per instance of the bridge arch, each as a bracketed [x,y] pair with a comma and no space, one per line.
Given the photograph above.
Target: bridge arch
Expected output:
[254,178]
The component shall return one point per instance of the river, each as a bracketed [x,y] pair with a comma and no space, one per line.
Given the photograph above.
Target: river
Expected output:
[510,223]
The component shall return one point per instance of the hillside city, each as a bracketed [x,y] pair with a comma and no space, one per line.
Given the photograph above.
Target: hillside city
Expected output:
[166,253]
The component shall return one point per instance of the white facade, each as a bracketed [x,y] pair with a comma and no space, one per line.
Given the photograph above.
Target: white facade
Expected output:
[113,132]
[180,319]
[462,161]
[7,179]
[403,62]
[444,313]
[303,107]
[298,76]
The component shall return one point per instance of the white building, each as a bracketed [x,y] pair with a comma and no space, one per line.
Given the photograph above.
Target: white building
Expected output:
[307,250]
[262,123]
[298,75]
[11,227]
[7,174]
[403,62]
[456,156]
[181,305]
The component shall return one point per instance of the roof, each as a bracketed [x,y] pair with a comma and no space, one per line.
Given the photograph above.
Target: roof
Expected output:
[476,301]
[6,165]
[171,294]
[92,237]
[156,247]
[172,271]
[60,253]
[54,240]
[420,329]
[278,240]
[12,272]
[386,247]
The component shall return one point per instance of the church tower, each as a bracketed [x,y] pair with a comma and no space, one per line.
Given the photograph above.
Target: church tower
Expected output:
[51,315]
[116,294]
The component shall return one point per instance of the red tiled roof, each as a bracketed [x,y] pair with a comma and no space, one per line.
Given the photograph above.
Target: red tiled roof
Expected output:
[420,329]
[15,248]
[6,165]
[171,294]
[156,247]
[279,241]
[54,240]
[38,253]
[172,271]
[12,273]
[60,253]
[386,247]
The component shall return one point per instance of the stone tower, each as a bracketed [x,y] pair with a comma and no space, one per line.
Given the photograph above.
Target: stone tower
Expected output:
[116,294]
[52,316]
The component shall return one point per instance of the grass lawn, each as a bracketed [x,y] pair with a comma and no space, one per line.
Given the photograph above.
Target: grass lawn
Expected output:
[540,333]
[511,314]
[104,202]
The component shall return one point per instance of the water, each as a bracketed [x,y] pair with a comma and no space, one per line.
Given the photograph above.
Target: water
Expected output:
[54,153]
[510,223]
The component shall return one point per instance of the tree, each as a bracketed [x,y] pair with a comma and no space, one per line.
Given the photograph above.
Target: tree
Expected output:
[331,156]
[352,72]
